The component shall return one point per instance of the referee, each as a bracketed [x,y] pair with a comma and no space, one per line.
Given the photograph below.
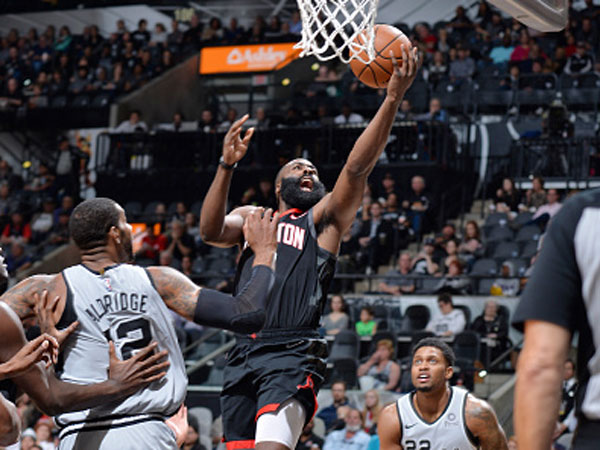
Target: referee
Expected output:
[562,296]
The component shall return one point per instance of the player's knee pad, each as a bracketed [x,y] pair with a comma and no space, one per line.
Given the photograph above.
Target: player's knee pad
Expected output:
[283,425]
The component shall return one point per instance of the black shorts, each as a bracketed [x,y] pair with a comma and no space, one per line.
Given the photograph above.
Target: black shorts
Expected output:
[263,373]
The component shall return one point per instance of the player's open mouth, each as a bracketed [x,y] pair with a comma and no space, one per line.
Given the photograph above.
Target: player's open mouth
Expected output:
[423,377]
[306,184]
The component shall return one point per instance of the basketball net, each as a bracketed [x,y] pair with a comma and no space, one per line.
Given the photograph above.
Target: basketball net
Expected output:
[330,27]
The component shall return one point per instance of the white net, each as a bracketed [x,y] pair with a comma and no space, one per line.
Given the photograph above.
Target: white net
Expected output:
[330,27]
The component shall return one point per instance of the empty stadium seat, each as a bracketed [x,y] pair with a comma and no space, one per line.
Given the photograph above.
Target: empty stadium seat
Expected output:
[415,318]
[484,266]
[484,286]
[345,369]
[466,346]
[132,209]
[81,101]
[528,233]
[495,219]
[523,218]
[499,233]
[345,345]
[506,250]
[529,249]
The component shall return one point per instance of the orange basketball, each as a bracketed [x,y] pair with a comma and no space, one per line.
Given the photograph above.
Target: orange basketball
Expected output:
[377,74]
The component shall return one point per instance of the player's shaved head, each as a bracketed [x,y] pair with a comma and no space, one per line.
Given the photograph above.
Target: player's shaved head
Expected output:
[91,221]
[289,164]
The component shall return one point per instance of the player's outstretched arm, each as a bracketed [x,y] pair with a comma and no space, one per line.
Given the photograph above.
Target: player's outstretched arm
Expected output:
[482,422]
[217,228]
[539,376]
[244,312]
[339,208]
[10,423]
[389,428]
[43,348]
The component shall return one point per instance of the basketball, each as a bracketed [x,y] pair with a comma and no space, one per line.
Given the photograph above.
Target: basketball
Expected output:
[377,74]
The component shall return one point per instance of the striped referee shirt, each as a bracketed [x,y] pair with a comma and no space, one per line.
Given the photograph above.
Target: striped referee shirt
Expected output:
[564,289]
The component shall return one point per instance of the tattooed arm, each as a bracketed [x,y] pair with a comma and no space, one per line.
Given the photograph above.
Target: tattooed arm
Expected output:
[483,424]
[244,312]
[389,428]
[20,296]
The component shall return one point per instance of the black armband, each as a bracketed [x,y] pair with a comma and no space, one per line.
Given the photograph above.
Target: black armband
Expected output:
[243,313]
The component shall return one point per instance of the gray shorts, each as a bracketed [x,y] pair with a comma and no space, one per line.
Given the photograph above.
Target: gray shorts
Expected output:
[154,434]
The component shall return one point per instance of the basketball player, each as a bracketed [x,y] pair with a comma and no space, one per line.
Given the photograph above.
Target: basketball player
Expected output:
[562,297]
[437,416]
[271,380]
[126,306]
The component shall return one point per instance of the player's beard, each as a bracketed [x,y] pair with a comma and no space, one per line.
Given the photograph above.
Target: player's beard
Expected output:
[295,197]
[127,247]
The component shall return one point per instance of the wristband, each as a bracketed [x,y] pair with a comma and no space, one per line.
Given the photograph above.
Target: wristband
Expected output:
[226,166]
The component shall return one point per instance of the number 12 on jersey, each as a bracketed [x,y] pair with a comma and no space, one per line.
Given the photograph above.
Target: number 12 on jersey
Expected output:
[130,336]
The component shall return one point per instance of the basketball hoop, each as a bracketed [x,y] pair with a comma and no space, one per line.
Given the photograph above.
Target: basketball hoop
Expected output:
[330,29]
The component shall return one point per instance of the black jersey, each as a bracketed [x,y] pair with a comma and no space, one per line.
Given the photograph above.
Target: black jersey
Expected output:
[302,274]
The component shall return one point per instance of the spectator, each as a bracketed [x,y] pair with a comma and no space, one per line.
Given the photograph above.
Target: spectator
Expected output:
[180,212]
[371,411]
[66,207]
[308,440]
[186,266]
[493,326]
[453,282]
[141,36]
[17,230]
[17,259]
[451,248]
[417,205]
[43,431]
[180,243]
[260,119]
[295,23]
[43,182]
[352,437]
[398,282]
[536,196]
[388,185]
[68,166]
[405,111]
[192,36]
[424,263]
[462,68]
[233,34]
[152,244]
[380,371]
[500,54]
[133,124]
[159,36]
[11,96]
[366,326]
[436,113]
[175,37]
[165,259]
[548,210]
[28,439]
[60,230]
[460,23]
[338,319]
[64,40]
[329,413]
[347,116]
[375,239]
[437,70]
[471,243]
[42,222]
[450,322]
[507,197]
[192,439]
[207,121]
[587,33]
[230,118]
[191,224]
[579,62]
[508,284]
[521,51]
[426,41]
[214,31]
[566,414]
[81,82]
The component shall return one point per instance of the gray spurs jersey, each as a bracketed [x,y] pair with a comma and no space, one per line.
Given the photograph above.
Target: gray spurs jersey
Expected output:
[121,305]
[448,432]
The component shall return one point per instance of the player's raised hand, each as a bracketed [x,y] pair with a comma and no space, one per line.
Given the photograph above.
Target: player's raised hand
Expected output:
[143,368]
[234,146]
[46,313]
[40,349]
[260,231]
[179,424]
[404,74]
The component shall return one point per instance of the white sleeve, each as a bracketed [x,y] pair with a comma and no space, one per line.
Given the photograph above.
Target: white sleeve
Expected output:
[458,324]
